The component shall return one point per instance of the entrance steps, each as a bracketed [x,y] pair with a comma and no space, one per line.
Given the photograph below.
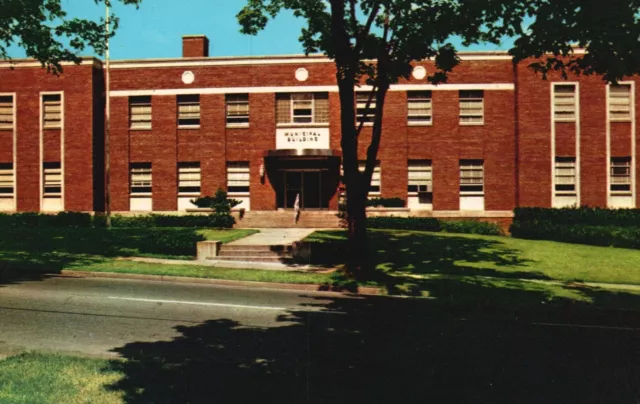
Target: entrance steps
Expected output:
[256,219]
[256,253]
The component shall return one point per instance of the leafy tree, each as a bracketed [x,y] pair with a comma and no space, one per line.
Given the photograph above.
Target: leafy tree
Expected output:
[41,28]
[375,42]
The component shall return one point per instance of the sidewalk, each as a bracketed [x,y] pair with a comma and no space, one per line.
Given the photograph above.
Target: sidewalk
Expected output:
[274,237]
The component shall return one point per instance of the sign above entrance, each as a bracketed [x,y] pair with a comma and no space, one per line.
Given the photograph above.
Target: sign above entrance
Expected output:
[302,138]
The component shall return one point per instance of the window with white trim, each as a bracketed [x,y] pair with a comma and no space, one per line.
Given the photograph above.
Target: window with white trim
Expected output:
[188,110]
[376,179]
[51,111]
[238,177]
[419,107]
[51,179]
[6,111]
[564,102]
[237,110]
[471,107]
[565,175]
[140,112]
[302,108]
[189,178]
[7,180]
[365,113]
[141,179]
[620,102]
[420,176]
[620,175]
[471,177]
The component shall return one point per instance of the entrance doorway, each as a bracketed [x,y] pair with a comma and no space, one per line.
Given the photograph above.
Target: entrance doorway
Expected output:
[306,183]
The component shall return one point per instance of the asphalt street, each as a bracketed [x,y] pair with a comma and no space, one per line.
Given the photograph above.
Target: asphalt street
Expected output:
[190,342]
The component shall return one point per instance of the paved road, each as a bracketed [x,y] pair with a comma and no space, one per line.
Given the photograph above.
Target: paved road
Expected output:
[94,316]
[193,343]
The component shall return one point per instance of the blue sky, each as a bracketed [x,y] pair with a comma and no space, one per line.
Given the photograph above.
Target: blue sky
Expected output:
[156,28]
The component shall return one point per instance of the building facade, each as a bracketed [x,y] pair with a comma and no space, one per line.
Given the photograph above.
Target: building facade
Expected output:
[267,129]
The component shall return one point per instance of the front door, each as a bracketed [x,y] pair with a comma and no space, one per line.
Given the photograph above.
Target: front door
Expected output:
[307,185]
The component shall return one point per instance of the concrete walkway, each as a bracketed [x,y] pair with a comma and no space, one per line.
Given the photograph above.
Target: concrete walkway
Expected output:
[274,237]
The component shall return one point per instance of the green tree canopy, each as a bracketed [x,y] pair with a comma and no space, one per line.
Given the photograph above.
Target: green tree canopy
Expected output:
[43,29]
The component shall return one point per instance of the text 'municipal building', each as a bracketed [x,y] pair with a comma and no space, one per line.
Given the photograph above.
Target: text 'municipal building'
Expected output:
[267,129]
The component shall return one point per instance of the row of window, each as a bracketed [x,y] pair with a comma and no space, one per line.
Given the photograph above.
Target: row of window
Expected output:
[305,108]
[51,179]
[565,175]
[51,111]
[565,102]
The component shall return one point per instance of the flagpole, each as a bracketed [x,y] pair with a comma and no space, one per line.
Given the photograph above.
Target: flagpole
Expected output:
[107,129]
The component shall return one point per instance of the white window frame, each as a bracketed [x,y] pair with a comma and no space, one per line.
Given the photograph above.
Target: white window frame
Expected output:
[7,180]
[419,97]
[470,181]
[238,100]
[189,176]
[562,98]
[51,178]
[140,179]
[618,163]
[620,107]
[376,178]
[140,102]
[422,176]
[52,107]
[188,106]
[363,110]
[565,163]
[468,102]
[301,99]
[290,97]
[238,176]
[11,107]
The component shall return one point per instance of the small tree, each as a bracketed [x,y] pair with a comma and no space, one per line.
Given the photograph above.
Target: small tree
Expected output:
[376,41]
[220,203]
[41,27]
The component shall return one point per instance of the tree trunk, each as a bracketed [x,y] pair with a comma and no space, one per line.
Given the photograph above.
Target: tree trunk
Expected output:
[358,255]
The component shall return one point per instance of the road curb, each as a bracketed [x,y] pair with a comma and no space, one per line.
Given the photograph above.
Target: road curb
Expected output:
[363,290]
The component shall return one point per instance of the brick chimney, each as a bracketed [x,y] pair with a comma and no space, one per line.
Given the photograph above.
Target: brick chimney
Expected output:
[195,46]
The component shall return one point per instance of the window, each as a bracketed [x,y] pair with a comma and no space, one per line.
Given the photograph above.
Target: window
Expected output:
[6,112]
[52,179]
[564,102]
[620,175]
[189,178]
[420,179]
[620,102]
[140,178]
[471,176]
[6,179]
[140,112]
[238,177]
[471,107]
[419,107]
[188,111]
[376,182]
[565,172]
[52,111]
[237,109]
[364,114]
[302,108]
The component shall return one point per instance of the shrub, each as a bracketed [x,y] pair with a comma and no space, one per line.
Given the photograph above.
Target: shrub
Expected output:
[582,216]
[33,219]
[386,202]
[608,236]
[213,220]
[404,223]
[219,202]
[471,227]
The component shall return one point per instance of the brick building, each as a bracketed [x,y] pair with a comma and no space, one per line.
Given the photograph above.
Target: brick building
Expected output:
[267,129]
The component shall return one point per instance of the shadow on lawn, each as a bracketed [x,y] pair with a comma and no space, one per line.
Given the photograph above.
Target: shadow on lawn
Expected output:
[28,253]
[384,350]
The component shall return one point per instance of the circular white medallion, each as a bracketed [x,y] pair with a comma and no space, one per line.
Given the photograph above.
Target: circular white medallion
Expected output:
[302,74]
[419,73]
[188,77]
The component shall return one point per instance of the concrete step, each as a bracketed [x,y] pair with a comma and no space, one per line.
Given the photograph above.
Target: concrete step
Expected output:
[251,247]
[285,259]
[250,253]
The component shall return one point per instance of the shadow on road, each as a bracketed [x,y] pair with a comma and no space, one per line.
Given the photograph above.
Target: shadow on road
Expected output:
[386,350]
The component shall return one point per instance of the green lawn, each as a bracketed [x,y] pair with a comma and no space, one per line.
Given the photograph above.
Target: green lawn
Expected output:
[44,378]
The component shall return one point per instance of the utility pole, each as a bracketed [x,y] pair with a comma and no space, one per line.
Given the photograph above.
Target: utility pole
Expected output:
[107,127]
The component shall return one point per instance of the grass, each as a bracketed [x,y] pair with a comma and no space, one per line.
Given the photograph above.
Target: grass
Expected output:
[46,378]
